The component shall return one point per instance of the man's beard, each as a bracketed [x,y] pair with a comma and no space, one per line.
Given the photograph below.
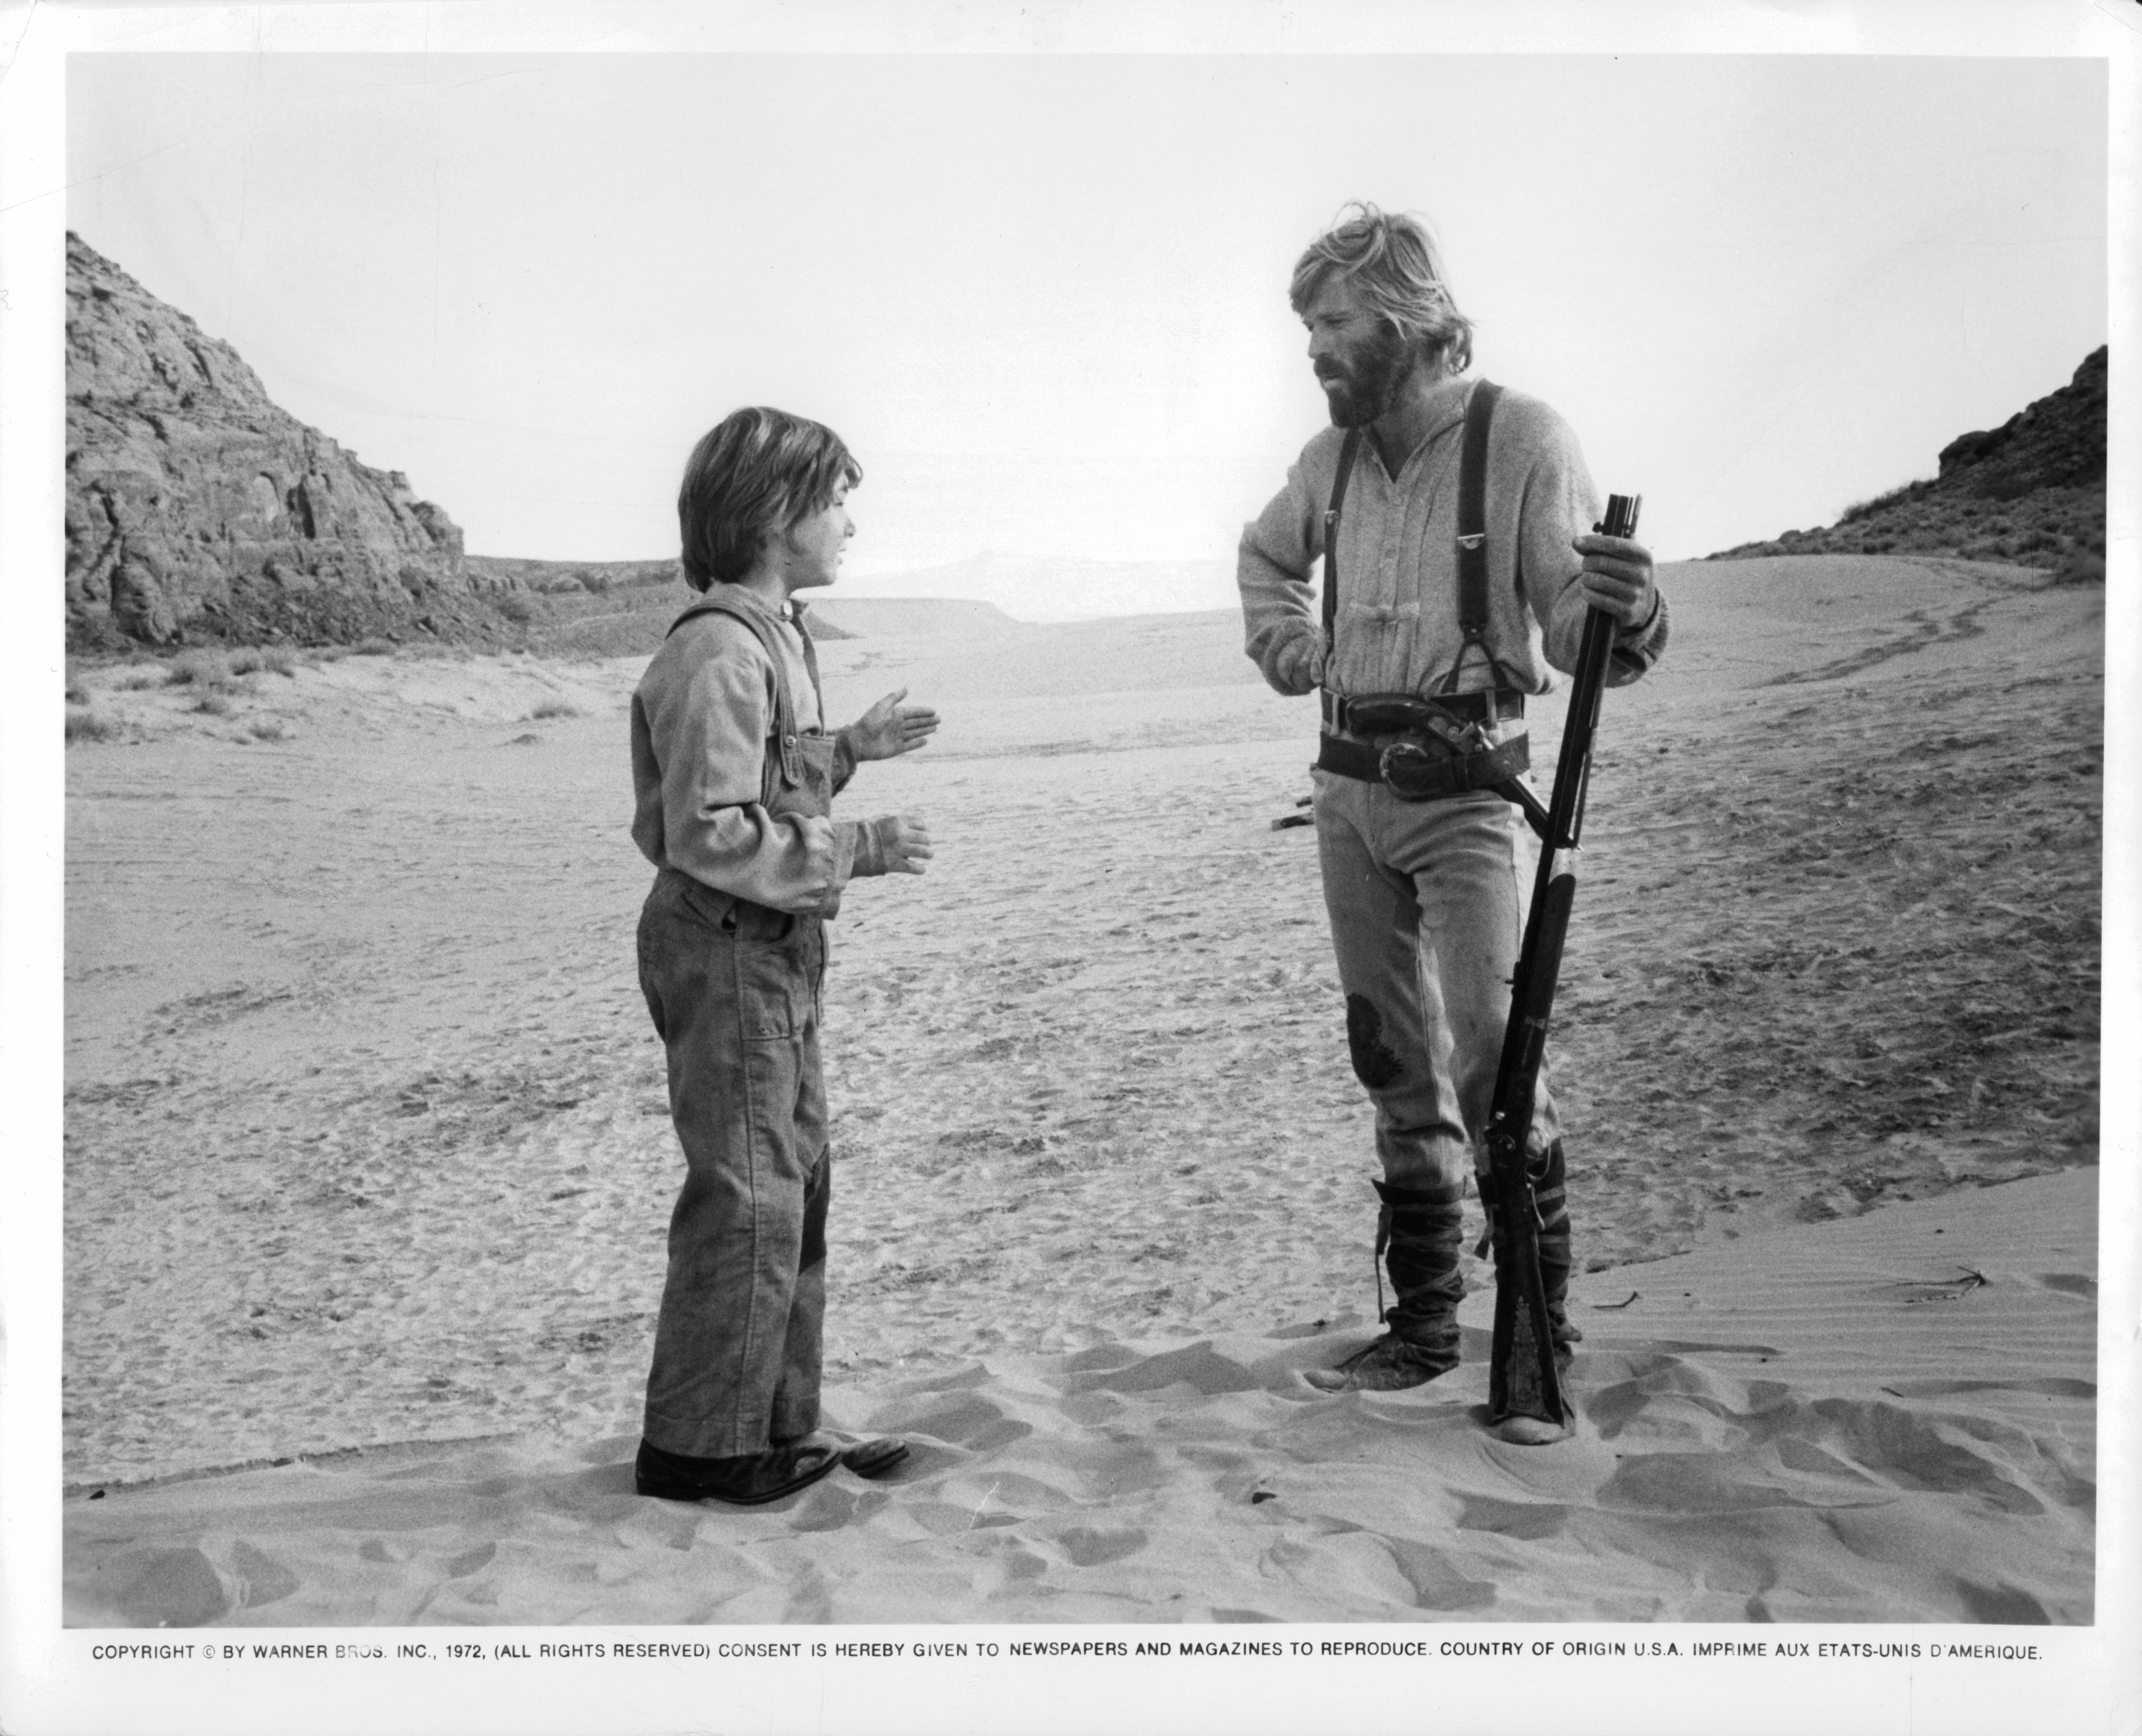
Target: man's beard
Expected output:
[1364,384]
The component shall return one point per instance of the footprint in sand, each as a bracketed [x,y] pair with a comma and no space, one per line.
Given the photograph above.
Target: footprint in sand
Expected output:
[1088,1547]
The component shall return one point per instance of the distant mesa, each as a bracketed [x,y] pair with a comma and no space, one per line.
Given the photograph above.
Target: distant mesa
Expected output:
[630,619]
[554,578]
[2031,491]
[837,616]
[1059,588]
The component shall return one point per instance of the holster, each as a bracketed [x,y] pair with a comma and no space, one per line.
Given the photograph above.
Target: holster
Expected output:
[1424,766]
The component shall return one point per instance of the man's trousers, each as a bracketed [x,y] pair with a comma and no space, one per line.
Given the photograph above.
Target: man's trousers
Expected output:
[734,991]
[1427,902]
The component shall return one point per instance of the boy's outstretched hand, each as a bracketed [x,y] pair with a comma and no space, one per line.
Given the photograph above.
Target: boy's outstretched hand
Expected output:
[890,728]
[907,844]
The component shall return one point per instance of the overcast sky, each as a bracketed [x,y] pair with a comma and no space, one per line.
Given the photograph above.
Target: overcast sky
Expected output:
[1043,296]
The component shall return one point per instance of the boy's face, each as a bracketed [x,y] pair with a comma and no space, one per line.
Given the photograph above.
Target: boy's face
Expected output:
[816,544]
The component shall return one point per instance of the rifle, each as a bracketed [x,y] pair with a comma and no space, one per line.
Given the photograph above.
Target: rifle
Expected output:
[1523,1379]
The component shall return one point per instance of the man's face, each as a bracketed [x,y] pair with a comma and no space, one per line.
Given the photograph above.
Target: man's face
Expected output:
[815,543]
[1359,360]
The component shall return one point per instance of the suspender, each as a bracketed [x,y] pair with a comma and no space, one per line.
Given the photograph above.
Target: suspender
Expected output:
[1473,531]
[1471,534]
[1348,450]
[787,763]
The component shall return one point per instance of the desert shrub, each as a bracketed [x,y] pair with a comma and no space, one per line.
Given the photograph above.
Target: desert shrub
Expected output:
[76,694]
[244,662]
[517,609]
[2080,567]
[267,729]
[214,704]
[554,708]
[372,648]
[330,654]
[84,725]
[280,660]
[128,680]
[198,669]
[1860,509]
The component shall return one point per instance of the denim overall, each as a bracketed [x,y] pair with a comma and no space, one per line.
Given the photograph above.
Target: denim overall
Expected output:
[735,989]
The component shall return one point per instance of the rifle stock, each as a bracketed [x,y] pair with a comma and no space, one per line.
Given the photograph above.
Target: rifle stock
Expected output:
[1523,1380]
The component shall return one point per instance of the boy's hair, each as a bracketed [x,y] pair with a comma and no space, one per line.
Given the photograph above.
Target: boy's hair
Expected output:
[754,475]
[1396,268]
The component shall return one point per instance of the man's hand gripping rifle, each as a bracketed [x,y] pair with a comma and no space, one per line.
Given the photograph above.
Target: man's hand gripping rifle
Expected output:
[1524,1380]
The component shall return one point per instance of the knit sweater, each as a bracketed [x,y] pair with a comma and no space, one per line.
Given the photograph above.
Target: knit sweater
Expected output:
[1397,627]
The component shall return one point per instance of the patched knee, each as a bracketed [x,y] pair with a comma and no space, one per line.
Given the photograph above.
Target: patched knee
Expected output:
[1375,1065]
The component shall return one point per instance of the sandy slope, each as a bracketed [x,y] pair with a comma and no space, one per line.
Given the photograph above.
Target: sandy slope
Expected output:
[366,1141]
[1794,1433]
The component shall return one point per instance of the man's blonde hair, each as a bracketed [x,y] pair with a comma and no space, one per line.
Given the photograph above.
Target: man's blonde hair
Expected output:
[1394,264]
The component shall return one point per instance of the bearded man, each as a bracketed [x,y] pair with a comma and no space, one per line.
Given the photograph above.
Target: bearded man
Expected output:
[1439,617]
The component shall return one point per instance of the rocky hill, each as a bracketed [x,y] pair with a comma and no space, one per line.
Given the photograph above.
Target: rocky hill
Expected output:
[199,512]
[2031,490]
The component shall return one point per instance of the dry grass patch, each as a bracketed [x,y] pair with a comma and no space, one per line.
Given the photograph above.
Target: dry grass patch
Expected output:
[84,725]
[215,672]
[198,669]
[273,660]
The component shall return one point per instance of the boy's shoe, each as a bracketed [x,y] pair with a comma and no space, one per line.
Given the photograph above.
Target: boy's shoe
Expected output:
[749,1481]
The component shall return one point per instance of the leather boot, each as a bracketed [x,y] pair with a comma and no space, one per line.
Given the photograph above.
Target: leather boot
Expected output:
[1417,1233]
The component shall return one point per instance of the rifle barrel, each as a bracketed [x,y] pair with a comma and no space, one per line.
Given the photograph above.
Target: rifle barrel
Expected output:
[1524,1378]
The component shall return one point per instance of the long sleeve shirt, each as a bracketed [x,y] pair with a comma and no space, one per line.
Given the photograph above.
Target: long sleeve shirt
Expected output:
[701,717]
[1396,630]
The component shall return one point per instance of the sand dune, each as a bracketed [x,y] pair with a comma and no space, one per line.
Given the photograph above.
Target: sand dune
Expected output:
[1793,1433]
[368,1154]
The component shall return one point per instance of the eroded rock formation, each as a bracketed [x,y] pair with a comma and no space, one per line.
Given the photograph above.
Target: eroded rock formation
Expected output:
[198,510]
[2031,490]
